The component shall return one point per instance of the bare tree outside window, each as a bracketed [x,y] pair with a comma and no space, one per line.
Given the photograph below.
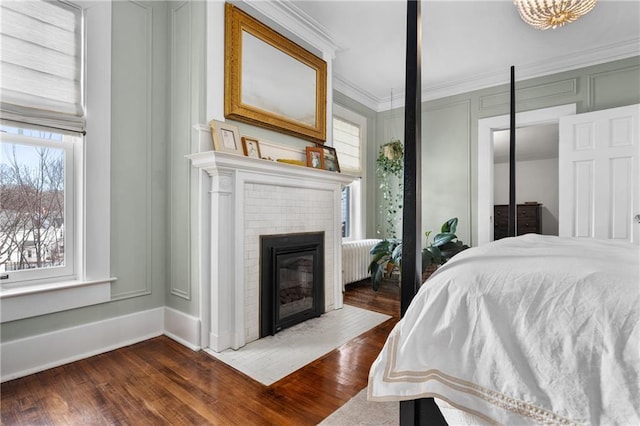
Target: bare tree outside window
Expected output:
[32,195]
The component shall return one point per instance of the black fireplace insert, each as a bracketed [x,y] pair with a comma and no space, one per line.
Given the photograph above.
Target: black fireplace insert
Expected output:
[291,280]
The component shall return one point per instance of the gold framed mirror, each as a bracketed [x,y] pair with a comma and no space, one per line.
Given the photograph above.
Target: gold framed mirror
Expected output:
[271,81]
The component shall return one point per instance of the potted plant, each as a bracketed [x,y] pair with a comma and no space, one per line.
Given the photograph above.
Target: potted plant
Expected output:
[445,245]
[387,254]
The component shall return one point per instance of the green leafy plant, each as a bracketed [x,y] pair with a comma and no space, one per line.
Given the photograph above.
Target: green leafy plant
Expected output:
[387,254]
[390,170]
[445,245]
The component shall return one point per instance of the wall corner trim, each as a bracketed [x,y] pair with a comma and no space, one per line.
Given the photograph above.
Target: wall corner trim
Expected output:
[183,328]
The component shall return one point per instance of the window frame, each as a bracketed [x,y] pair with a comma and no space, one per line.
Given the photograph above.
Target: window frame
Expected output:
[346,230]
[72,150]
[357,207]
[92,283]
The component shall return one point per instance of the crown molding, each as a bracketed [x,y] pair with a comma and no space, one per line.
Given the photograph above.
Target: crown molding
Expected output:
[393,101]
[294,20]
[584,58]
[355,92]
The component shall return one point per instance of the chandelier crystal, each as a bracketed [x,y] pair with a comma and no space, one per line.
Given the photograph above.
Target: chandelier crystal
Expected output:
[545,14]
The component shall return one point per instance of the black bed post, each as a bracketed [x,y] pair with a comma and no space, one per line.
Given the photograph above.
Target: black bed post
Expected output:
[422,411]
[512,156]
[411,208]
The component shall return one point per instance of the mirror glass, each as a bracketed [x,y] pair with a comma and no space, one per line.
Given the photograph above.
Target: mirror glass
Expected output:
[537,178]
[276,82]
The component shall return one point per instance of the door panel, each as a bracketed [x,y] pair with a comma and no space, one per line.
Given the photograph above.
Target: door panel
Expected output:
[621,196]
[583,189]
[599,174]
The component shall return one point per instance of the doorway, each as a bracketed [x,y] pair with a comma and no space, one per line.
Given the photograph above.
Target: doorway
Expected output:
[536,179]
[487,129]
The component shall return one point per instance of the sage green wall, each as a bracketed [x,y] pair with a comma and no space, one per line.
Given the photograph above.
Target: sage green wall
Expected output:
[450,131]
[138,173]
[186,104]
[445,159]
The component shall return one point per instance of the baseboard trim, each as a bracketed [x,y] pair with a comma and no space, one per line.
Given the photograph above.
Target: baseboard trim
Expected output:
[19,358]
[183,328]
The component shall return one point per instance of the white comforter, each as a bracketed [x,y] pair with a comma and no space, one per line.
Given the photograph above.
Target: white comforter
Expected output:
[526,330]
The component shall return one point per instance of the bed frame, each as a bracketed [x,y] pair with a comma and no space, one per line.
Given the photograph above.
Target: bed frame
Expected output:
[420,411]
[425,411]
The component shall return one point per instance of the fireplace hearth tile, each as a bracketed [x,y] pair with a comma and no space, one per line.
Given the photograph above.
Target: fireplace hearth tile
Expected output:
[270,359]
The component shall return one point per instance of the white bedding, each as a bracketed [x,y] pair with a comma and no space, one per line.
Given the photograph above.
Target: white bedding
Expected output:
[526,330]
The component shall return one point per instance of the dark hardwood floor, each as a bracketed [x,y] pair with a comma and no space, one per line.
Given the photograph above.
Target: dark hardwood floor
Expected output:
[159,381]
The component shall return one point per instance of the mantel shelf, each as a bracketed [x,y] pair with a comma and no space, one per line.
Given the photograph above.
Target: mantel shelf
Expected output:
[212,161]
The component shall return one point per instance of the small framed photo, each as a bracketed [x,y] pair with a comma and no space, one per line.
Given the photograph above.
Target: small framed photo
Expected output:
[226,137]
[331,159]
[315,157]
[251,147]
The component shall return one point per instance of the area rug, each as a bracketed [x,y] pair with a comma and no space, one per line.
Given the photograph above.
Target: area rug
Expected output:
[359,411]
[270,359]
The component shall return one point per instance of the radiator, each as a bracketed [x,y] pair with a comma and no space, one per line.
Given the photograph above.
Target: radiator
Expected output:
[356,259]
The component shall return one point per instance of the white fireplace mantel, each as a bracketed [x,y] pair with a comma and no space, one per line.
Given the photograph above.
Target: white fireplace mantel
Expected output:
[214,161]
[240,199]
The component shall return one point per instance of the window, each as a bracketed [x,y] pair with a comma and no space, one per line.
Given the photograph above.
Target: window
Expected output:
[59,258]
[41,84]
[346,211]
[348,140]
[37,220]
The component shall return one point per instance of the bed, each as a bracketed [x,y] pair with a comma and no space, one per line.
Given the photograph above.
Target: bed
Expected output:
[525,330]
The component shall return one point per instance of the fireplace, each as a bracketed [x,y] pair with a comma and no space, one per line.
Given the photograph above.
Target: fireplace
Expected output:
[291,280]
[242,199]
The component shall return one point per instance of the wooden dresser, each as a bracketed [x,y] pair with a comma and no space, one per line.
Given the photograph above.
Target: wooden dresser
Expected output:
[527,220]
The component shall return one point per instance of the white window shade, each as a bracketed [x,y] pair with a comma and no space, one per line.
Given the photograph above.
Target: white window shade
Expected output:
[41,63]
[347,141]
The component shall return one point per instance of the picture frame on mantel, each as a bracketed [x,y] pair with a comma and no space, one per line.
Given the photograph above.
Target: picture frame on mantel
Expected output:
[315,157]
[251,147]
[331,159]
[226,137]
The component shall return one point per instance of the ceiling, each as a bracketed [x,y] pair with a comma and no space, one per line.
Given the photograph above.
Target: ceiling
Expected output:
[466,45]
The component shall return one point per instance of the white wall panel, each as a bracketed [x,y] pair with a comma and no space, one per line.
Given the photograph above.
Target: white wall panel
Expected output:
[132,149]
[179,167]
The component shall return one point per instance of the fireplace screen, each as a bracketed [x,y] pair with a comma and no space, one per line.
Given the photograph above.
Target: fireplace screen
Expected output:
[292,281]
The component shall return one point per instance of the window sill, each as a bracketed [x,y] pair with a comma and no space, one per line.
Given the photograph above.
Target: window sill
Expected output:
[40,299]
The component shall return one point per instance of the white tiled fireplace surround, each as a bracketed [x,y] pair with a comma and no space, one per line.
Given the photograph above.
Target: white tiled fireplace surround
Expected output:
[241,199]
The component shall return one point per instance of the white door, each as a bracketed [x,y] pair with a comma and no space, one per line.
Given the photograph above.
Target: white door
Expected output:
[599,179]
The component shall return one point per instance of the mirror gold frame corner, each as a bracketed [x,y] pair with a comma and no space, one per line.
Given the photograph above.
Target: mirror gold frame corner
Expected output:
[291,73]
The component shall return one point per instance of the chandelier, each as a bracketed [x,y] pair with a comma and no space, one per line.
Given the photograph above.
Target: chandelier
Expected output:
[544,14]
